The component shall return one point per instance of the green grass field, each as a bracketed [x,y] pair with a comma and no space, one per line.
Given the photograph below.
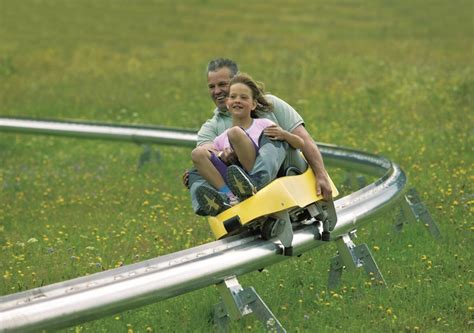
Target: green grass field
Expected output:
[388,77]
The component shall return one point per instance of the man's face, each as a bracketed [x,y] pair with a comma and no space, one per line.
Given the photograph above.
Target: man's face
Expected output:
[218,85]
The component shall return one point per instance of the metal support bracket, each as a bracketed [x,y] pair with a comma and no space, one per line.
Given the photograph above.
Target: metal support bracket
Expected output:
[285,231]
[238,302]
[412,209]
[351,257]
[147,156]
[327,216]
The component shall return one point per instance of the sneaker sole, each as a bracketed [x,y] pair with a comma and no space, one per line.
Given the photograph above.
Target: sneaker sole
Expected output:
[210,201]
[240,183]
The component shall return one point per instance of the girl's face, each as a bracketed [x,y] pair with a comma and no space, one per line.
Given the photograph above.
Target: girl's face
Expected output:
[240,102]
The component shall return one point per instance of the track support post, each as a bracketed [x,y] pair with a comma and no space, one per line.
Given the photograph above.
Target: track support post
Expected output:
[413,209]
[351,256]
[238,302]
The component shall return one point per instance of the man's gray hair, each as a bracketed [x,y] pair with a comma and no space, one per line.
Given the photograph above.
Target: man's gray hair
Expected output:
[216,64]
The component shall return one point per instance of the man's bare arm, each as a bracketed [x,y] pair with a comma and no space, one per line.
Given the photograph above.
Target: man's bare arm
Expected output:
[313,156]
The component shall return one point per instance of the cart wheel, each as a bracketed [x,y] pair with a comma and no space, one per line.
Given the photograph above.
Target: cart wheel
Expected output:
[269,228]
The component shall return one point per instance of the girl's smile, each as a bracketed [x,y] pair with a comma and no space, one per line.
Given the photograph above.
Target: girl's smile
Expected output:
[240,101]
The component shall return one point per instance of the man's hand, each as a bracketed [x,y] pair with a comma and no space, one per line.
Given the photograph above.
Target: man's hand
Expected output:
[314,158]
[323,186]
[186,178]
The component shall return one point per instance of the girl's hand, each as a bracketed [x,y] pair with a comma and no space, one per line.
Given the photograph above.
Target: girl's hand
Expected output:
[228,156]
[275,132]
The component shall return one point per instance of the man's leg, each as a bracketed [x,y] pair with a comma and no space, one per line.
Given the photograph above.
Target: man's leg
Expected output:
[293,159]
[195,181]
[270,157]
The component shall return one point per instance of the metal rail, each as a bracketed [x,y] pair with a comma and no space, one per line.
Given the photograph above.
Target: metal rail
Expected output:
[89,130]
[86,298]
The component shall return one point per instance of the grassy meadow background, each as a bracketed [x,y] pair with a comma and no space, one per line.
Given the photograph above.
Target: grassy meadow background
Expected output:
[388,77]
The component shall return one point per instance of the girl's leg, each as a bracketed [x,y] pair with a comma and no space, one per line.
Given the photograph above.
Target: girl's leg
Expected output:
[244,147]
[202,161]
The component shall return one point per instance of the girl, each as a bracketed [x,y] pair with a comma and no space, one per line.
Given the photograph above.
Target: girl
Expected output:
[238,144]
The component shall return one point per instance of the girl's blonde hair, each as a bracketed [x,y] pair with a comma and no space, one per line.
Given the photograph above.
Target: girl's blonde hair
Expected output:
[258,93]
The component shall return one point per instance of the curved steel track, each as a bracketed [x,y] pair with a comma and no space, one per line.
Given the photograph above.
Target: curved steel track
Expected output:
[86,298]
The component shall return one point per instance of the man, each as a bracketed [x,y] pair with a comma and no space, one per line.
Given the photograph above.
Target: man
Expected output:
[272,153]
